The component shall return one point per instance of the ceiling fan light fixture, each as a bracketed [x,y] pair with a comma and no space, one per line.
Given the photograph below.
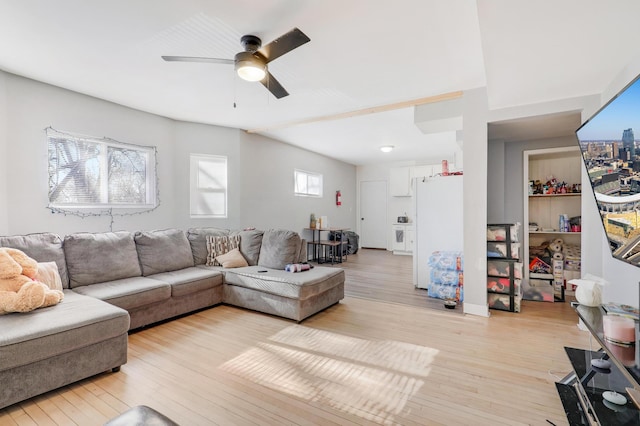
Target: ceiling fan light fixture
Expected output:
[251,72]
[249,67]
[386,148]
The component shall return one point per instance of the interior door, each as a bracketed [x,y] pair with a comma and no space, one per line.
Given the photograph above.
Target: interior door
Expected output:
[373,214]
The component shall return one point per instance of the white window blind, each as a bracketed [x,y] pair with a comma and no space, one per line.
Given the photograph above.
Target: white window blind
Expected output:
[307,184]
[208,195]
[86,172]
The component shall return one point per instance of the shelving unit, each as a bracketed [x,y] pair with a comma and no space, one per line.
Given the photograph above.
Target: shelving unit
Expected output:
[504,269]
[565,165]
[327,251]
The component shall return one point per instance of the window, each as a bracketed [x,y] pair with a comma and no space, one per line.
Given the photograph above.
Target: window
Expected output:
[87,172]
[208,186]
[307,183]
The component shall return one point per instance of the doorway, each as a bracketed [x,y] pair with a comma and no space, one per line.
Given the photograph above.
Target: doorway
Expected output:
[373,214]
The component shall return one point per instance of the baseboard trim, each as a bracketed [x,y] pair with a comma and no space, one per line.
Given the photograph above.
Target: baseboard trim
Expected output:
[472,309]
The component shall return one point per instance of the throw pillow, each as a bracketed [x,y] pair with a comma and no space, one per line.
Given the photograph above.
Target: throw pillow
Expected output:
[48,274]
[232,259]
[198,240]
[217,246]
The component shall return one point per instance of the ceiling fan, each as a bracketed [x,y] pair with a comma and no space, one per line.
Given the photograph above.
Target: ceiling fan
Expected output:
[251,65]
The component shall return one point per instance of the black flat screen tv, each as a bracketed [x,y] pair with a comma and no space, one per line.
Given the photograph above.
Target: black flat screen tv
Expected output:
[612,159]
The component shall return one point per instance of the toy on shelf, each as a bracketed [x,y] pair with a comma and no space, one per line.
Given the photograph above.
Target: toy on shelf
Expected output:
[552,186]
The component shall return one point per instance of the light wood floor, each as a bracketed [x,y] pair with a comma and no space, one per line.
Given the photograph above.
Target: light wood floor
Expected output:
[380,275]
[359,362]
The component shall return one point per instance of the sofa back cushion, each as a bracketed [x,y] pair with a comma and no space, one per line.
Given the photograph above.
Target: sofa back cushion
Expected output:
[303,256]
[198,240]
[279,247]
[100,257]
[250,243]
[217,246]
[163,251]
[45,247]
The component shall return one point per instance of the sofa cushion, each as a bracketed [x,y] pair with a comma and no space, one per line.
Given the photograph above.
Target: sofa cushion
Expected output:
[198,240]
[161,251]
[217,246]
[250,243]
[279,247]
[303,257]
[77,321]
[295,286]
[100,257]
[232,259]
[45,247]
[128,293]
[190,280]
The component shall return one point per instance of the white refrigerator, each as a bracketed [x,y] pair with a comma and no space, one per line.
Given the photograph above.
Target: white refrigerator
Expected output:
[438,213]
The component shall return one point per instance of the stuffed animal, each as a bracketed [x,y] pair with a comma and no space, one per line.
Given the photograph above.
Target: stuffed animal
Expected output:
[19,292]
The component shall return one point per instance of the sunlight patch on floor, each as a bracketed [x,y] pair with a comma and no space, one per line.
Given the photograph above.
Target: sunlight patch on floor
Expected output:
[367,378]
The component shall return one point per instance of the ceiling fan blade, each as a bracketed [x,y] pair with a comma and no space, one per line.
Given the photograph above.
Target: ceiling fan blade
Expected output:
[274,86]
[283,44]
[197,59]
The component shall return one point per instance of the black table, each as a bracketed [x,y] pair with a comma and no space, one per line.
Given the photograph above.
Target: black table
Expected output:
[581,392]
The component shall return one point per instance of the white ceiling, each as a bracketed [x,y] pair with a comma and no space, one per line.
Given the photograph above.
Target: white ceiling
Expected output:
[538,127]
[362,54]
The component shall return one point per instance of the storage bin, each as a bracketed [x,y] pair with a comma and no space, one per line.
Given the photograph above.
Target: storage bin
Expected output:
[506,250]
[499,232]
[503,302]
[540,290]
[503,285]
[502,268]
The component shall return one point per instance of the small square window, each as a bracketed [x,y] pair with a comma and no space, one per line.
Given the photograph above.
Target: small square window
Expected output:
[307,184]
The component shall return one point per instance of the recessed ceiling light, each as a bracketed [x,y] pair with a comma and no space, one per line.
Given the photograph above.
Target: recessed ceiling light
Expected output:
[386,148]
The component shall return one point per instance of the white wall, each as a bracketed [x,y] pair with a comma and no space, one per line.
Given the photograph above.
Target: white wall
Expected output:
[475,116]
[496,182]
[192,138]
[4,211]
[593,237]
[260,169]
[267,186]
[33,106]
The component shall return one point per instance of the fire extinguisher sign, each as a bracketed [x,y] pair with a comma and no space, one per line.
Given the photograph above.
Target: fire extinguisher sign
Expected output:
[338,198]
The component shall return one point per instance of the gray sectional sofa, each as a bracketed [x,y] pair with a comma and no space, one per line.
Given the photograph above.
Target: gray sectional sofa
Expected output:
[118,281]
